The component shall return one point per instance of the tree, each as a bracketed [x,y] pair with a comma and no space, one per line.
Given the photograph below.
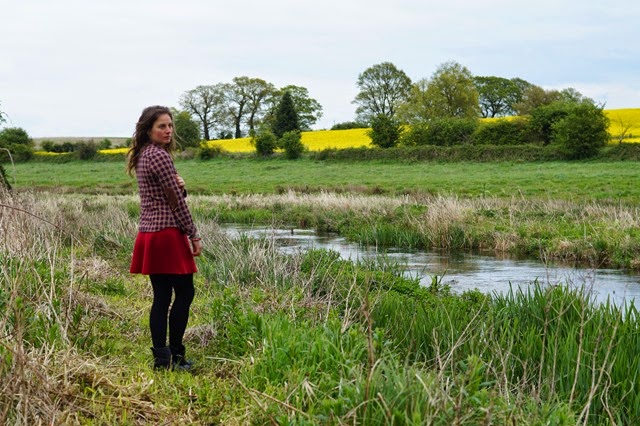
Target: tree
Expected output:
[247,102]
[383,87]
[534,97]
[582,132]
[497,95]
[208,104]
[450,93]
[385,131]
[308,109]
[286,117]
[186,129]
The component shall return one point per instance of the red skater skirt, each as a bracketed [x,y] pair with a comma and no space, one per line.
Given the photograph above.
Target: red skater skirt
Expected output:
[162,252]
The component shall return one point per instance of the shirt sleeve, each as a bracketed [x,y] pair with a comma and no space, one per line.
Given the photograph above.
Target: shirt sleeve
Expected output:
[162,168]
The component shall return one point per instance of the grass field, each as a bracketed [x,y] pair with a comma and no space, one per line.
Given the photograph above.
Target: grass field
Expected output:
[607,181]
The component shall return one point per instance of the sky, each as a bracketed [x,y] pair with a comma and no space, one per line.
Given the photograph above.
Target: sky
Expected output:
[79,68]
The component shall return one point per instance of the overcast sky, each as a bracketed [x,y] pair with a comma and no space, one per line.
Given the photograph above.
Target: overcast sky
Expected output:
[84,68]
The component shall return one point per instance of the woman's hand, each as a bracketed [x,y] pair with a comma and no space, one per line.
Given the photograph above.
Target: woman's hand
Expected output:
[196,246]
[180,181]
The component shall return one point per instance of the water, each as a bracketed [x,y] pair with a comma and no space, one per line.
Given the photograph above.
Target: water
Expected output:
[463,271]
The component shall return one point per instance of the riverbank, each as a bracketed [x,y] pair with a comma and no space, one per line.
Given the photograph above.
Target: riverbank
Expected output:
[279,338]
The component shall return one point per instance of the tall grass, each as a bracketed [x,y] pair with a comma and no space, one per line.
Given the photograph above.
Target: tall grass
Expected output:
[287,339]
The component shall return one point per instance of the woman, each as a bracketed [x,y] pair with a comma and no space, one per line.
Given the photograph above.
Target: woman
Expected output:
[162,248]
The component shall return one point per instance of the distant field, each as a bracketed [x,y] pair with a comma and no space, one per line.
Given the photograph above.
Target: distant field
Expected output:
[625,121]
[314,141]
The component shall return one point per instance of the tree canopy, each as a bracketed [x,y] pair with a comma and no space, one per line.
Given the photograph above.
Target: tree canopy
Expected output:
[383,87]
[449,93]
[186,129]
[208,104]
[241,106]
[497,96]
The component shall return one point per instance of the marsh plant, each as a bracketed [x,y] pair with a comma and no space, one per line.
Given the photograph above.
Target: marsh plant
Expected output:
[306,338]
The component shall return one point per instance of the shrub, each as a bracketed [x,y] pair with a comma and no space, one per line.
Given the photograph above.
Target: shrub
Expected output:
[515,131]
[48,145]
[86,150]
[542,119]
[209,152]
[14,136]
[292,145]
[415,135]
[265,143]
[450,131]
[582,132]
[349,125]
[104,144]
[385,131]
[18,142]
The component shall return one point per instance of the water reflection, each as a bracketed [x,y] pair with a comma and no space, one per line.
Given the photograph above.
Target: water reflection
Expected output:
[461,271]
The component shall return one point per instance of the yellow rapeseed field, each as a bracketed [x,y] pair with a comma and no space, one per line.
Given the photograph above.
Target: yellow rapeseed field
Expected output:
[624,122]
[314,141]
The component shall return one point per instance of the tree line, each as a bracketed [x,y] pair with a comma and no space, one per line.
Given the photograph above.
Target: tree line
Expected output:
[444,110]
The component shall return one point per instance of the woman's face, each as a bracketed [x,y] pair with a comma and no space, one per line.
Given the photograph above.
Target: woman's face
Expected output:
[161,131]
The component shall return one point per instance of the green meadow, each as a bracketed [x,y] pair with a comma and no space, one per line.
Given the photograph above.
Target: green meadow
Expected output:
[614,181]
[309,338]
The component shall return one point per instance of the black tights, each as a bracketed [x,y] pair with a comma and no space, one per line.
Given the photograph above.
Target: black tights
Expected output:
[163,287]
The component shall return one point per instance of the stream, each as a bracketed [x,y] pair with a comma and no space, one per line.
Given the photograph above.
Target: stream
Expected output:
[461,271]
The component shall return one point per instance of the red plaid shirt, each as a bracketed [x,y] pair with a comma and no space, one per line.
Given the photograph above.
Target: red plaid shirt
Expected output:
[161,202]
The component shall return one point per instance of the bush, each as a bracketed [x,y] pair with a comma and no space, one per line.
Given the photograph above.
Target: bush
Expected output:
[209,152]
[484,153]
[48,145]
[415,135]
[15,136]
[514,131]
[104,144]
[450,131]
[543,118]
[292,145]
[265,143]
[582,132]
[349,125]
[385,131]
[19,153]
[86,150]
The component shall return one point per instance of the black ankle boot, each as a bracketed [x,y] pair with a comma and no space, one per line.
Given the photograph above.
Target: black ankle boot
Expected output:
[178,359]
[161,358]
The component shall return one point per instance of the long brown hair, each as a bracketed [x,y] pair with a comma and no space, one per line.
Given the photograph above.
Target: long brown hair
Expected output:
[141,138]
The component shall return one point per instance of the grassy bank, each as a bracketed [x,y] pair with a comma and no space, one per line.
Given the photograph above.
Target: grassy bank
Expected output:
[301,339]
[575,212]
